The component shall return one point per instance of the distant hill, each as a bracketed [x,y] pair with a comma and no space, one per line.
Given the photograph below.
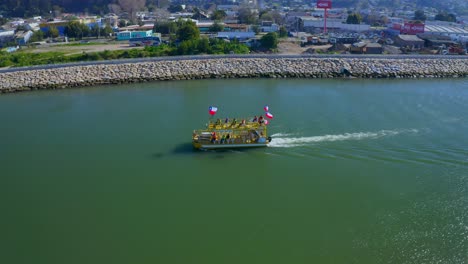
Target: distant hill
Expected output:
[28,8]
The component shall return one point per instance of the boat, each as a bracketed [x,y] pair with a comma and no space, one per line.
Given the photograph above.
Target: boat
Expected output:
[231,134]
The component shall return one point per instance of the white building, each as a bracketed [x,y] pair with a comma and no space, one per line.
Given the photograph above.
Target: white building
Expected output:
[317,23]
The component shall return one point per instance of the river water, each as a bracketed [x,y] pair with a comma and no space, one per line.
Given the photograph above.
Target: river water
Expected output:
[359,171]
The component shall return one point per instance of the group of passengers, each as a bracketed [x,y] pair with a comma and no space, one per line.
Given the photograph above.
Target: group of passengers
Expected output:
[260,120]
[225,138]
[256,119]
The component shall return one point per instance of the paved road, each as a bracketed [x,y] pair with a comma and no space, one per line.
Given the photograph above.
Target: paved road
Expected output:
[198,57]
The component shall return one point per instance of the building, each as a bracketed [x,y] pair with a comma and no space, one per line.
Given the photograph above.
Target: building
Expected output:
[313,24]
[446,30]
[22,37]
[409,41]
[236,35]
[127,35]
[6,36]
[373,48]
[59,24]
[269,26]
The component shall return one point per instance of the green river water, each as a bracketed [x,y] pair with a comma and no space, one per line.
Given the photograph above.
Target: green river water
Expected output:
[359,171]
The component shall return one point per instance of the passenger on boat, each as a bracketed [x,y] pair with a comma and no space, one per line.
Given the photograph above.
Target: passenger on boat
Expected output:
[213,137]
[226,120]
[255,119]
[218,122]
[260,120]
[234,122]
[242,123]
[228,136]
[223,139]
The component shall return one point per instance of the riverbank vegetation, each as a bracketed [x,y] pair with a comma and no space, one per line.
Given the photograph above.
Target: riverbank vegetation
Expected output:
[187,42]
[189,47]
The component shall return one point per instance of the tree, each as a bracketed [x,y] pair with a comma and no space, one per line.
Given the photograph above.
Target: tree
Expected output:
[283,32]
[269,41]
[175,8]
[37,36]
[444,16]
[277,17]
[187,31]
[266,17]
[218,15]
[256,29]
[216,27]
[75,29]
[419,15]
[3,21]
[165,27]
[95,31]
[247,16]
[131,6]
[354,18]
[203,45]
[122,23]
[53,32]
[107,31]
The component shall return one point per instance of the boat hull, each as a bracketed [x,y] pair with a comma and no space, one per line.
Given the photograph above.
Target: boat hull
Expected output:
[229,146]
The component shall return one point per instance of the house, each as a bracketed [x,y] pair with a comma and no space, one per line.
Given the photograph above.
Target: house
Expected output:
[366,48]
[373,48]
[358,47]
[409,41]
[22,37]
[269,26]
[6,36]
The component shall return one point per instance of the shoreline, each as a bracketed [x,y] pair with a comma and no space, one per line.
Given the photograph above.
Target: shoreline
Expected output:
[212,67]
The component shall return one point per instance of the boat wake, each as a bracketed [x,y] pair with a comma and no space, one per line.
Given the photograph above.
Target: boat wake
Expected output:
[284,141]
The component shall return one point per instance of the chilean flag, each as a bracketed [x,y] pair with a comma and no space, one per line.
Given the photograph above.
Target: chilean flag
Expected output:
[266,122]
[265,108]
[212,110]
[269,115]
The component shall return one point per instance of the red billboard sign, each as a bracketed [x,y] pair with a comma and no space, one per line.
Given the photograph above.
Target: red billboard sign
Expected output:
[412,29]
[324,4]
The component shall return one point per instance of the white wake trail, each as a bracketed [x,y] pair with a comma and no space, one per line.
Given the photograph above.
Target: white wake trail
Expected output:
[281,140]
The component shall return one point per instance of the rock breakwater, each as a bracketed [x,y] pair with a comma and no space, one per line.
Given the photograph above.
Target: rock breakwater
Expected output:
[186,69]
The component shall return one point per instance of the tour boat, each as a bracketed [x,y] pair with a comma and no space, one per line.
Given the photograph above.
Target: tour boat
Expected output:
[232,134]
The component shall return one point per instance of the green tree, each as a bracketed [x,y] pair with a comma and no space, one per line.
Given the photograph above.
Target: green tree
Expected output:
[216,27]
[37,36]
[218,15]
[203,45]
[269,41]
[52,32]
[419,15]
[247,16]
[187,31]
[174,8]
[283,32]
[444,16]
[3,21]
[354,18]
[75,29]
[107,31]
[165,27]
[122,23]
[95,31]
[256,29]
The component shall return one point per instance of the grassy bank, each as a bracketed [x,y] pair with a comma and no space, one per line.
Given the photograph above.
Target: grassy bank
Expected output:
[190,47]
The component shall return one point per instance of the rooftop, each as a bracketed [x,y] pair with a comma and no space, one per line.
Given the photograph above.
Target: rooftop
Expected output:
[410,38]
